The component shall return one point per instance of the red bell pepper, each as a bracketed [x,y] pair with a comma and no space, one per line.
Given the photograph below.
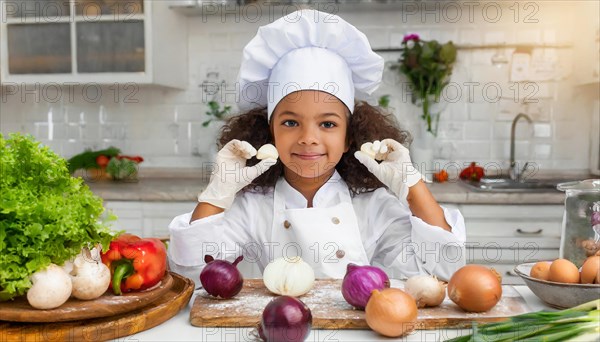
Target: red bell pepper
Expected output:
[472,172]
[136,159]
[135,264]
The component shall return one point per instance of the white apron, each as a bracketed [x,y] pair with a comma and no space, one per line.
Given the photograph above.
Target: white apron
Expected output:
[328,239]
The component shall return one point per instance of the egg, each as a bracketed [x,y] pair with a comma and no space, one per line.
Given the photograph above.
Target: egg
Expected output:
[589,270]
[563,271]
[540,270]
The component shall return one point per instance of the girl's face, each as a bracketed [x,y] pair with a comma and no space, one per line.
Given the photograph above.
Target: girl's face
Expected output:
[309,130]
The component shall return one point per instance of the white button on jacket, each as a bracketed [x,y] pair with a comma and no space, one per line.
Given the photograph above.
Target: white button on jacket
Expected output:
[373,227]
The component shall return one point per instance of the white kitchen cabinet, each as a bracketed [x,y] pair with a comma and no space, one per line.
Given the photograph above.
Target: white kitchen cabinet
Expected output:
[503,236]
[82,42]
[129,216]
[147,219]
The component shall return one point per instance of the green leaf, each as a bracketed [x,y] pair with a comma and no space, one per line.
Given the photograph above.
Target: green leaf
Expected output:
[448,53]
[213,105]
[384,101]
[121,168]
[428,50]
[47,216]
[216,111]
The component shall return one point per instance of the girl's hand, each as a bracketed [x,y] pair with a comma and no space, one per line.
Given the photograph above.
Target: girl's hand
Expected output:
[231,173]
[396,170]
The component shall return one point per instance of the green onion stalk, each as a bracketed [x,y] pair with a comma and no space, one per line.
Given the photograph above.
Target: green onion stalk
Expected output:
[580,323]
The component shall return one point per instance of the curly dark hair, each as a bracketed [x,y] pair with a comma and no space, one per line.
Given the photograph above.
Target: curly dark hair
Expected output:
[367,123]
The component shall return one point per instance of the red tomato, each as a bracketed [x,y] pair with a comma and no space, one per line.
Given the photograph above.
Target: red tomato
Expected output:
[441,176]
[102,161]
[472,172]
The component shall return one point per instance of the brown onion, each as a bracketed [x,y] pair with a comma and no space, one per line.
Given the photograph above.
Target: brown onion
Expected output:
[475,288]
[391,312]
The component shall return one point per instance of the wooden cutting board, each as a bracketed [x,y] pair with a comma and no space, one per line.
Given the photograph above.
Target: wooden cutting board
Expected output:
[108,304]
[107,328]
[331,311]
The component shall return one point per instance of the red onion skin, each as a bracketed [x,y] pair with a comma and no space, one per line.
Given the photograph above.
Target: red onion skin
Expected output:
[359,281]
[285,318]
[220,278]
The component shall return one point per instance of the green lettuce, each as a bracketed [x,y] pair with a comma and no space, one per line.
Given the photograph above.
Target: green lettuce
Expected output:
[46,216]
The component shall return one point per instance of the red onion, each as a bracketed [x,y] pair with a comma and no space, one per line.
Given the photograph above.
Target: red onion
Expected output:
[359,281]
[221,278]
[285,318]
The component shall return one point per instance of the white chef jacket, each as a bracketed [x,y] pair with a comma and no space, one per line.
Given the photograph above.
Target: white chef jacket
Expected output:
[401,244]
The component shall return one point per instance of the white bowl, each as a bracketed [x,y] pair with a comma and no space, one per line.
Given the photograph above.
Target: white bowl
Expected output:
[558,295]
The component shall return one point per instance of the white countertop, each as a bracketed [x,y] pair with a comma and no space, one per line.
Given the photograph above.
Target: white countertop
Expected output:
[187,189]
[179,328]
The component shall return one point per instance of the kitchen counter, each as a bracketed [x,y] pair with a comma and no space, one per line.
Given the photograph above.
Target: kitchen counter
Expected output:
[179,328]
[187,189]
[150,189]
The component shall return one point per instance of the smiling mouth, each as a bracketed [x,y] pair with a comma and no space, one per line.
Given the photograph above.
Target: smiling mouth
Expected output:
[310,156]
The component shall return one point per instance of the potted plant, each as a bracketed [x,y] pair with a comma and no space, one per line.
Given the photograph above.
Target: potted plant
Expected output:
[217,116]
[428,66]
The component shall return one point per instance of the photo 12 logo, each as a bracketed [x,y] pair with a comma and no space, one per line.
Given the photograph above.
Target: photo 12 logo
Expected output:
[69,92]
[427,12]
[31,11]
[268,11]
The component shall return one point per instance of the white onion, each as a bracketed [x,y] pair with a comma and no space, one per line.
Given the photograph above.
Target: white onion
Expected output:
[426,290]
[289,276]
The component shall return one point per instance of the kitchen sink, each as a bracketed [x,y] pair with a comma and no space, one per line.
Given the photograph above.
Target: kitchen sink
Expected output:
[509,185]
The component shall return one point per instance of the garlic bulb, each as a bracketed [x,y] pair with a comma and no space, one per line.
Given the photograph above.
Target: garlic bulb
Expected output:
[289,276]
[373,149]
[267,151]
[426,290]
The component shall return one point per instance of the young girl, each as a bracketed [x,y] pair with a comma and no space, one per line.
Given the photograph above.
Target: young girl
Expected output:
[323,198]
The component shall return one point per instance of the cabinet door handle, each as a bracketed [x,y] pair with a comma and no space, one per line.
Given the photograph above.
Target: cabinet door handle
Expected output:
[511,274]
[525,232]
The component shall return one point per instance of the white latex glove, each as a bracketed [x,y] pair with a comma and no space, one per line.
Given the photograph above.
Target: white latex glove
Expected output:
[231,173]
[396,170]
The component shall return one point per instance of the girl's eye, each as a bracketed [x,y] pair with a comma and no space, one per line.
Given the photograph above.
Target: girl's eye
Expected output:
[329,124]
[290,123]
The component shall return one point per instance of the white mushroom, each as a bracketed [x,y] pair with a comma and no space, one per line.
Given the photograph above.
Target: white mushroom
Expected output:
[90,277]
[267,151]
[68,266]
[51,288]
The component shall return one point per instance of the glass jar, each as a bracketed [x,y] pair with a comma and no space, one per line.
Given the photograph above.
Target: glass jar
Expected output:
[580,236]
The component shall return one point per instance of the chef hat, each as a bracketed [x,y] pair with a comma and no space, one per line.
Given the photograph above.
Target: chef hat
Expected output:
[304,50]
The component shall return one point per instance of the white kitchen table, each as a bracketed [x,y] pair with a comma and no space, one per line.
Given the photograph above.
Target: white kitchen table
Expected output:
[179,328]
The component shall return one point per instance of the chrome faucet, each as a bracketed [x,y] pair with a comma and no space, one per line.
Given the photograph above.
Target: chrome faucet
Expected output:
[515,173]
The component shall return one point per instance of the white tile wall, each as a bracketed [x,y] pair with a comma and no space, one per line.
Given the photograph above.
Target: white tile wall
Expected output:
[165,125]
